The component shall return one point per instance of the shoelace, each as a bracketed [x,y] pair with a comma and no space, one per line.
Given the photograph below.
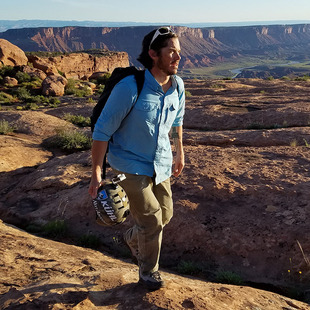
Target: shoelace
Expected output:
[156,276]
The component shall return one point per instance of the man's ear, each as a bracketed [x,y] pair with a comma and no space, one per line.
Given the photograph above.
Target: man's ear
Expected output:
[153,54]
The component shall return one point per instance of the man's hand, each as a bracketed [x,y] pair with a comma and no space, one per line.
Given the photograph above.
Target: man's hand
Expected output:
[93,187]
[178,164]
[99,149]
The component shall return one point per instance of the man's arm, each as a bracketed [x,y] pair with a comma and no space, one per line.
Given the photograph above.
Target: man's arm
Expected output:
[98,151]
[179,162]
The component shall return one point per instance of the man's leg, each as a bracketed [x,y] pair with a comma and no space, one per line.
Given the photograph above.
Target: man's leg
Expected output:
[147,214]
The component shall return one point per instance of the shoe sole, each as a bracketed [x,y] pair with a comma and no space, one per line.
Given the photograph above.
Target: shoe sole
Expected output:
[152,286]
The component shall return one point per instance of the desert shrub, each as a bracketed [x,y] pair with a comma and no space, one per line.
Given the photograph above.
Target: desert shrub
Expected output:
[55,229]
[33,84]
[40,99]
[6,127]
[100,89]
[303,78]
[188,94]
[82,92]
[69,140]
[72,89]
[228,277]
[89,241]
[103,79]
[285,78]
[78,120]
[189,268]
[6,98]
[53,102]
[22,77]
[31,106]
[7,71]
[22,93]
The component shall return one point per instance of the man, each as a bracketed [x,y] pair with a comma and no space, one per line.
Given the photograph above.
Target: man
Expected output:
[140,147]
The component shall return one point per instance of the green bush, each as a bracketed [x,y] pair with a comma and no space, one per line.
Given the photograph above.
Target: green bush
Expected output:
[6,98]
[22,93]
[7,71]
[54,102]
[78,120]
[69,140]
[228,277]
[103,79]
[100,89]
[6,127]
[72,89]
[31,106]
[189,268]
[55,229]
[188,94]
[22,77]
[89,241]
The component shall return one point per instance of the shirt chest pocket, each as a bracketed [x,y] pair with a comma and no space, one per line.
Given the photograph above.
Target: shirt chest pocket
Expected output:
[146,109]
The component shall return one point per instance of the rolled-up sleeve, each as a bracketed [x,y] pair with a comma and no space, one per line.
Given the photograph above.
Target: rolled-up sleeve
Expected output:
[116,108]
[180,113]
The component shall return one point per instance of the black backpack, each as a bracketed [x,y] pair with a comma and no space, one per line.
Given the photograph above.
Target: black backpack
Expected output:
[117,75]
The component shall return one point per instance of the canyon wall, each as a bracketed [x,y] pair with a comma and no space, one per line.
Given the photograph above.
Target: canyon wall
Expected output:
[200,46]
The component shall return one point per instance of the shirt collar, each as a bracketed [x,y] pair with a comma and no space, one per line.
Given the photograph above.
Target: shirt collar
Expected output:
[154,84]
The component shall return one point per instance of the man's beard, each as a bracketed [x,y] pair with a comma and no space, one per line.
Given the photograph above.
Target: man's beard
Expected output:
[167,69]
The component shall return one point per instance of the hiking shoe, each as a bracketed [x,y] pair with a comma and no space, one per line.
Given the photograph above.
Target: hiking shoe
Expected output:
[151,281]
[134,252]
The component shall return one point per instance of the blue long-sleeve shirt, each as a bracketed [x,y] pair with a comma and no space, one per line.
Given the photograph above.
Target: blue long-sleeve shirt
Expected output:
[140,141]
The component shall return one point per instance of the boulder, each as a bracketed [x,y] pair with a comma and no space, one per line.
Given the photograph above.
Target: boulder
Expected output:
[47,67]
[10,81]
[11,55]
[54,85]
[33,72]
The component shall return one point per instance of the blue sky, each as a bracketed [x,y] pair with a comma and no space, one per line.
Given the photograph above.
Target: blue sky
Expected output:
[171,11]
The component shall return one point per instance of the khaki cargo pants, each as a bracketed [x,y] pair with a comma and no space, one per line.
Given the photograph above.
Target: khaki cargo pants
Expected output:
[151,207]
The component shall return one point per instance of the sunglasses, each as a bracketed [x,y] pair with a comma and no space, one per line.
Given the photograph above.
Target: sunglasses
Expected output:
[159,32]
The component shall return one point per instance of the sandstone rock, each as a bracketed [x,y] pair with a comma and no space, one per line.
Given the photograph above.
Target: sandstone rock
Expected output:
[33,72]
[242,200]
[54,85]
[11,55]
[80,65]
[38,272]
[42,64]
[10,81]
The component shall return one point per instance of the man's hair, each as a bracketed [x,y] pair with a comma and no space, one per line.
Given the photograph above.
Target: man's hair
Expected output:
[160,42]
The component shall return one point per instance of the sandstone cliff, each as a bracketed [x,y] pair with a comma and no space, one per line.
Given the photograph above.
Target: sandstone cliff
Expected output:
[200,46]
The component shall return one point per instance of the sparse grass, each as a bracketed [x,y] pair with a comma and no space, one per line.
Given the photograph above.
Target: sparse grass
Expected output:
[69,140]
[303,78]
[306,143]
[188,94]
[100,89]
[6,127]
[89,241]
[72,89]
[189,268]
[228,277]
[294,143]
[6,98]
[78,120]
[55,229]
